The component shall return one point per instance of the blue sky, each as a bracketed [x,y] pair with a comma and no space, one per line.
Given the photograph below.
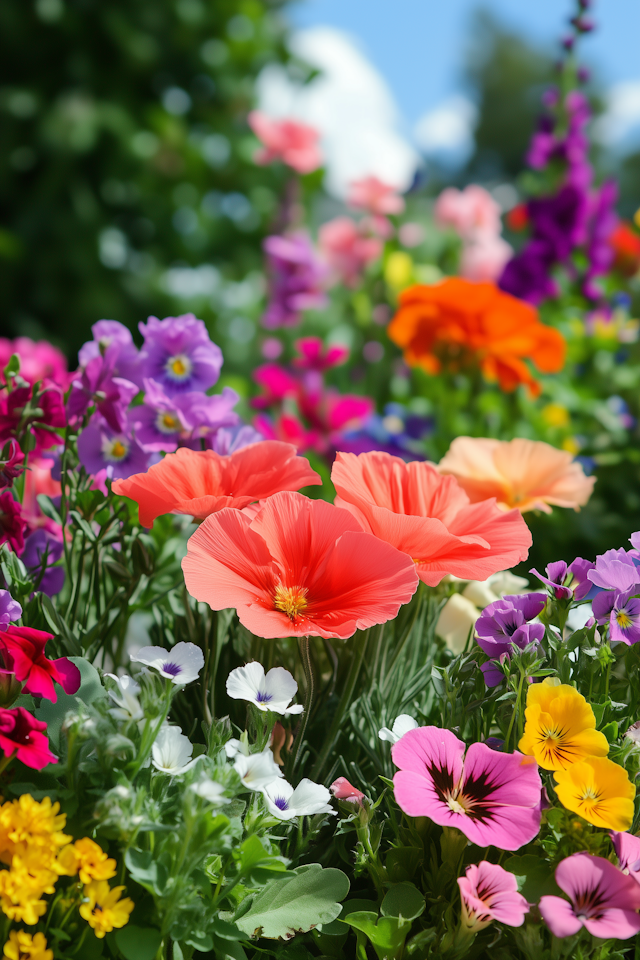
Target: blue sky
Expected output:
[418,45]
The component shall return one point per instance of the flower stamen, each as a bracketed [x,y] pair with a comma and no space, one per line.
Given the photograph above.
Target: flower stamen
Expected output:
[290,600]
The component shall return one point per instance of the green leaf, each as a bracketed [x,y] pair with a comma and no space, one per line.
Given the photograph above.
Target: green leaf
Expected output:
[611,731]
[90,690]
[227,949]
[336,928]
[296,903]
[149,873]
[402,863]
[387,936]
[535,877]
[256,863]
[403,900]
[138,943]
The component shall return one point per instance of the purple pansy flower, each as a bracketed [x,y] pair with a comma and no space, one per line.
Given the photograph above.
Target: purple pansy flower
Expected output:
[165,423]
[41,550]
[623,613]
[505,622]
[101,448]
[97,384]
[296,276]
[179,354]
[10,609]
[567,582]
[615,570]
[113,338]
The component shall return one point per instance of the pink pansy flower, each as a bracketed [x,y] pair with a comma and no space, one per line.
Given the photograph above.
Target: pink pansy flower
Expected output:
[489,892]
[601,898]
[627,848]
[374,196]
[296,144]
[491,797]
[343,790]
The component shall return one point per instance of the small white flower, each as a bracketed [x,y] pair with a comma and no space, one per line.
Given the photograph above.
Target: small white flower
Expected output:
[401,725]
[234,747]
[128,706]
[480,593]
[274,691]
[308,798]
[171,751]
[181,664]
[257,770]
[210,790]
[505,583]
[457,618]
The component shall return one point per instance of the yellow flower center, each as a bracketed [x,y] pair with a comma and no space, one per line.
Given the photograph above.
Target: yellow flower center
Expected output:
[167,422]
[115,450]
[590,793]
[455,806]
[291,600]
[118,449]
[178,367]
[623,619]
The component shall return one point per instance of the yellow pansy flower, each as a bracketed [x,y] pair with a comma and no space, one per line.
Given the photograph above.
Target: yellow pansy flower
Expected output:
[560,726]
[599,790]
[103,910]
[93,862]
[22,946]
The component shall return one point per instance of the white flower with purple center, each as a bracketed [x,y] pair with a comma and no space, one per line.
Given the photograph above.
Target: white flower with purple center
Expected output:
[401,725]
[128,706]
[171,752]
[257,770]
[181,664]
[273,691]
[285,802]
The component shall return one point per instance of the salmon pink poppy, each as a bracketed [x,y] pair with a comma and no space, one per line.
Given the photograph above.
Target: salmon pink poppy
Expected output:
[525,474]
[428,516]
[300,567]
[200,482]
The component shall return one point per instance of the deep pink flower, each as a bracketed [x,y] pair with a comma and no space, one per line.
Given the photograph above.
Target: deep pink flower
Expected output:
[98,384]
[491,797]
[12,523]
[39,360]
[313,355]
[374,196]
[347,250]
[50,411]
[627,848]
[343,790]
[489,892]
[601,898]
[22,650]
[22,734]
[276,382]
[11,466]
[296,144]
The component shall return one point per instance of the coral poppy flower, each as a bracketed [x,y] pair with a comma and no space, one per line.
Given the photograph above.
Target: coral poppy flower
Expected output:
[22,650]
[493,798]
[457,321]
[429,517]
[200,482]
[560,726]
[598,790]
[525,474]
[601,898]
[299,568]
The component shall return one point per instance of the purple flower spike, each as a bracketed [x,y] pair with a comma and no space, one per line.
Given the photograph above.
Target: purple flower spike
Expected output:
[625,619]
[101,448]
[296,279]
[615,570]
[10,609]
[179,354]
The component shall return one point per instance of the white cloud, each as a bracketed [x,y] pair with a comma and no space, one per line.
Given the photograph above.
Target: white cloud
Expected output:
[446,132]
[350,103]
[622,115]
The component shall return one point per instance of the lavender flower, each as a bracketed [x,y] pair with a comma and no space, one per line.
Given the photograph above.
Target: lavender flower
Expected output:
[10,609]
[228,440]
[614,570]
[41,550]
[567,582]
[101,448]
[622,612]
[505,622]
[296,277]
[179,354]
[164,423]
[97,384]
[113,338]
[600,252]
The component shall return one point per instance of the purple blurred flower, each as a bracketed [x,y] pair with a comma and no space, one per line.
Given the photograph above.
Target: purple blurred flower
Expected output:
[97,384]
[559,220]
[113,338]
[101,448]
[567,582]
[165,423]
[179,354]
[528,274]
[296,276]
[10,609]
[615,570]
[41,550]
[600,252]
[228,440]
[505,622]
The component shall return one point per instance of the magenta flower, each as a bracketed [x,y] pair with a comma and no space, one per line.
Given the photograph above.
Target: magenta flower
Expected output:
[296,278]
[601,898]
[179,354]
[114,340]
[493,798]
[489,892]
[97,384]
[627,848]
[39,360]
[12,523]
[12,465]
[313,355]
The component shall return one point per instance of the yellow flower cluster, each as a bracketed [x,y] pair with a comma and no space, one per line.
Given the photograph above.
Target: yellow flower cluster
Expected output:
[560,732]
[22,946]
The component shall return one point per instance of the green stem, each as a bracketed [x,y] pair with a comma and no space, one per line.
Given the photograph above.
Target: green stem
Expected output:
[516,711]
[307,665]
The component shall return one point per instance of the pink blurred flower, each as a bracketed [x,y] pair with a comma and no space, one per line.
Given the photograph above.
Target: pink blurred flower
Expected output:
[374,196]
[276,382]
[468,211]
[485,258]
[38,480]
[601,898]
[343,790]
[39,360]
[11,467]
[489,892]
[313,355]
[627,848]
[411,234]
[296,144]
[12,523]
[346,249]
[493,798]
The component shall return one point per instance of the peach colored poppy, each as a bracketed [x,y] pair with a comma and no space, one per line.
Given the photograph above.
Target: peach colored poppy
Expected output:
[300,567]
[200,482]
[525,474]
[428,516]
[456,323]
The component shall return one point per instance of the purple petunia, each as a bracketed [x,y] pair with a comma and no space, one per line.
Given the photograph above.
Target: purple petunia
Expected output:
[296,277]
[504,623]
[615,570]
[97,384]
[10,609]
[164,423]
[101,448]
[179,355]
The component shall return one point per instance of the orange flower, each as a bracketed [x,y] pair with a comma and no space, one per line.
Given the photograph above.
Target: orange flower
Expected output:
[525,474]
[626,246]
[456,322]
[201,482]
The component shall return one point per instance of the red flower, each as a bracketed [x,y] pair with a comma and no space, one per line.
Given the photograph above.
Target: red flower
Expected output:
[200,482]
[299,568]
[12,523]
[626,245]
[23,653]
[518,217]
[22,734]
[424,514]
